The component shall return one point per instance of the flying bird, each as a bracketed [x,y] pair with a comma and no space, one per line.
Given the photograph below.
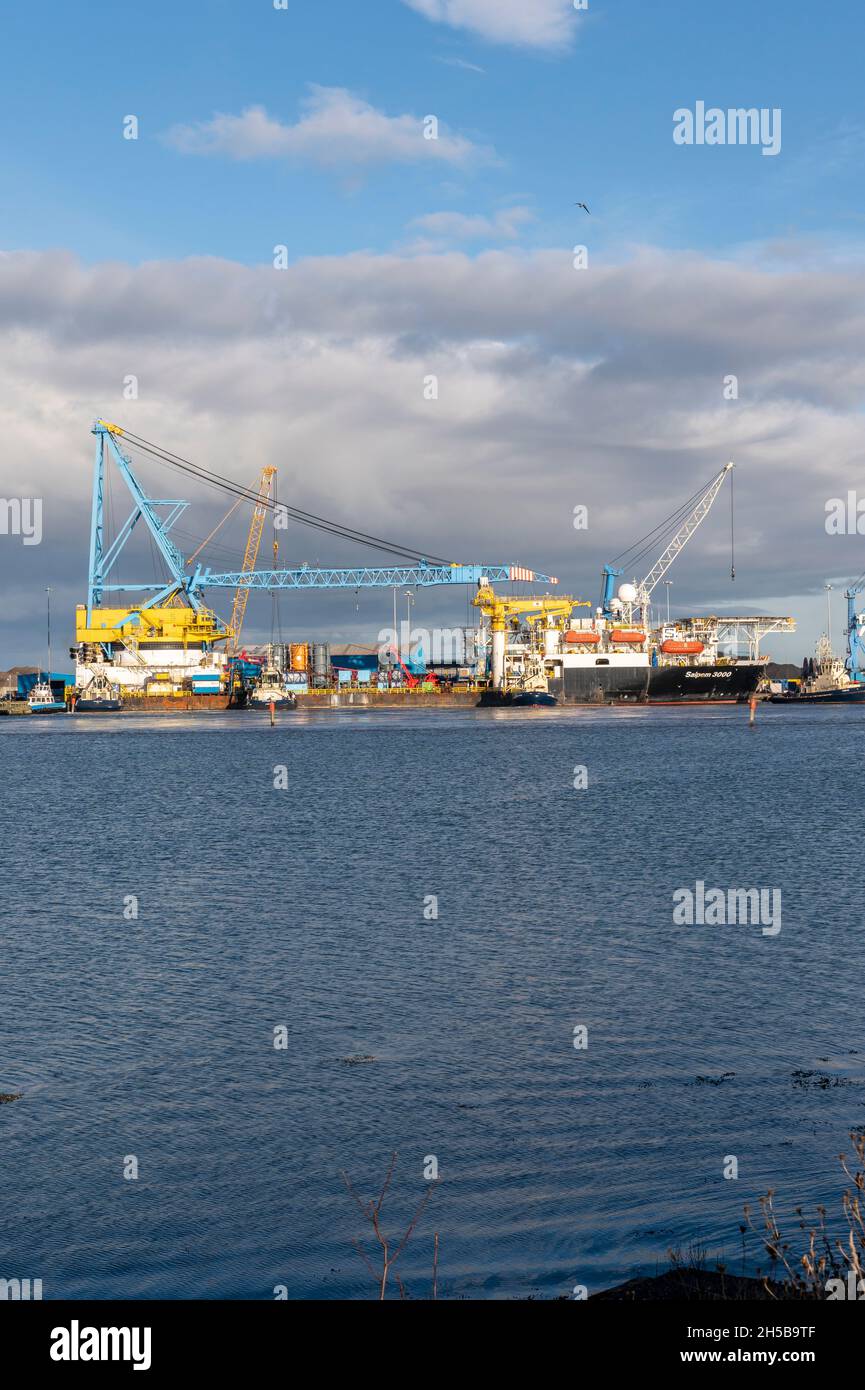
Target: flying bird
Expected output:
[582,205]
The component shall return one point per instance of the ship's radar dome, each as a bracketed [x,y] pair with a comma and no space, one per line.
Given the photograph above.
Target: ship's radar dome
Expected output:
[627,593]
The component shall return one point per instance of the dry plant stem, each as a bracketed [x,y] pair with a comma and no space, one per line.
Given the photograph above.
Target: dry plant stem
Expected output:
[372,1213]
[821,1261]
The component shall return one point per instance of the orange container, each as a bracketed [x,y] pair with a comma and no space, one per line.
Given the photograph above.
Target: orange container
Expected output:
[299,656]
[626,634]
[674,647]
[583,639]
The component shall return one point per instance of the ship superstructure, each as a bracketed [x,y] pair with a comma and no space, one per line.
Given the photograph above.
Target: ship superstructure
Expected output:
[598,659]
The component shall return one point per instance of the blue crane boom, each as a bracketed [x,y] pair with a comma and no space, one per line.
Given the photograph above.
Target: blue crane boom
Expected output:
[187,587]
[378,577]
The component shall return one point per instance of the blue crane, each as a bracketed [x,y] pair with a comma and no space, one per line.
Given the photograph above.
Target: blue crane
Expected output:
[855,661]
[160,515]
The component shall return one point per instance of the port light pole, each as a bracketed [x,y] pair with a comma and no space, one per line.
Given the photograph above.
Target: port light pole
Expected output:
[409,600]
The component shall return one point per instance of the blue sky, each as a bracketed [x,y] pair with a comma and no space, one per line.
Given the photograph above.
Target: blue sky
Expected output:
[590,120]
[302,127]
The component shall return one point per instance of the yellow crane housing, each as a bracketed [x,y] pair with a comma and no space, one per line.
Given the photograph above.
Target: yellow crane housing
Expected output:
[553,612]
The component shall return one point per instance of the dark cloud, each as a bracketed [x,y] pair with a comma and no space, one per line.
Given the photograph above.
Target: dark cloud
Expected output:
[556,387]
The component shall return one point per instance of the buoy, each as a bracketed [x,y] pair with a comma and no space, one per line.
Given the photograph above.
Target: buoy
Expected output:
[272,708]
[752,706]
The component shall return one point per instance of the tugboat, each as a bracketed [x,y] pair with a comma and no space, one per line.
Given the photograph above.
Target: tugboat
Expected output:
[526,689]
[269,689]
[99,697]
[825,682]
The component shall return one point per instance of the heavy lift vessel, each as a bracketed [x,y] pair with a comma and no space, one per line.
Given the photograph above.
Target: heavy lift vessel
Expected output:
[168,639]
[616,654]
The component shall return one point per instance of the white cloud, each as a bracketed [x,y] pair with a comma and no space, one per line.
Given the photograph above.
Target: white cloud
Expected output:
[457,226]
[461,63]
[544,24]
[336,129]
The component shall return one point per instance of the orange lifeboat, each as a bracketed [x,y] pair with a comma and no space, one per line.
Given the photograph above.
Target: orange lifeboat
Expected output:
[626,634]
[583,639]
[674,647]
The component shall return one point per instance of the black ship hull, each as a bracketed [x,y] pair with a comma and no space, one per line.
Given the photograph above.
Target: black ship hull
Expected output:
[657,685]
[98,706]
[687,685]
[601,685]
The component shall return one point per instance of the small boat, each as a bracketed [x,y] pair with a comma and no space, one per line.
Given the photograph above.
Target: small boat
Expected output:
[42,699]
[269,690]
[528,688]
[99,697]
[827,682]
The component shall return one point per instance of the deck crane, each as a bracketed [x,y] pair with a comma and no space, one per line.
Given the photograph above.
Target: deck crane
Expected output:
[253,543]
[171,612]
[500,611]
[687,519]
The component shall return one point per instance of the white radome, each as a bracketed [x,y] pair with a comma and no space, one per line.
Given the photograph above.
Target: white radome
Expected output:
[627,593]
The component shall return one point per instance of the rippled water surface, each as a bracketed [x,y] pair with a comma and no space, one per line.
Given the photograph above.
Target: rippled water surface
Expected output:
[304,907]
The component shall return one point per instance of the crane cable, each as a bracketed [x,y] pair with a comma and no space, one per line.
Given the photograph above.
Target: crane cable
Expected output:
[666,529]
[245,494]
[217,527]
[669,524]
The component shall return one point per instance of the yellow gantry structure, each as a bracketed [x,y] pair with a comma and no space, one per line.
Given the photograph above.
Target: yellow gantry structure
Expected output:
[167,625]
[533,610]
[553,612]
[253,543]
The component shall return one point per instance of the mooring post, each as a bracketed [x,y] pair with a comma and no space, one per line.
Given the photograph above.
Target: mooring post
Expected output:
[272,708]
[752,706]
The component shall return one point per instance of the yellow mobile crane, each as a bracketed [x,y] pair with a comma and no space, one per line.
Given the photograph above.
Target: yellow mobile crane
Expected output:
[256,527]
[553,612]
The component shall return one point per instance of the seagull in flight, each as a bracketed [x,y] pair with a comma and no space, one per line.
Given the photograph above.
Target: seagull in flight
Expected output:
[583,206]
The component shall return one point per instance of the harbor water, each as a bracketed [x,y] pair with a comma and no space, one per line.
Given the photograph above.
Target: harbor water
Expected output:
[422,912]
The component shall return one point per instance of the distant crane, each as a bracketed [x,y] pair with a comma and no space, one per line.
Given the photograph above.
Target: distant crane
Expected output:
[253,544]
[855,661]
[687,519]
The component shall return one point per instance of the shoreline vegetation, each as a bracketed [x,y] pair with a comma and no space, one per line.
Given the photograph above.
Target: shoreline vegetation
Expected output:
[814,1264]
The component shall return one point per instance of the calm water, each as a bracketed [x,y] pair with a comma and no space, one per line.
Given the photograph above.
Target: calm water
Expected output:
[304,907]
